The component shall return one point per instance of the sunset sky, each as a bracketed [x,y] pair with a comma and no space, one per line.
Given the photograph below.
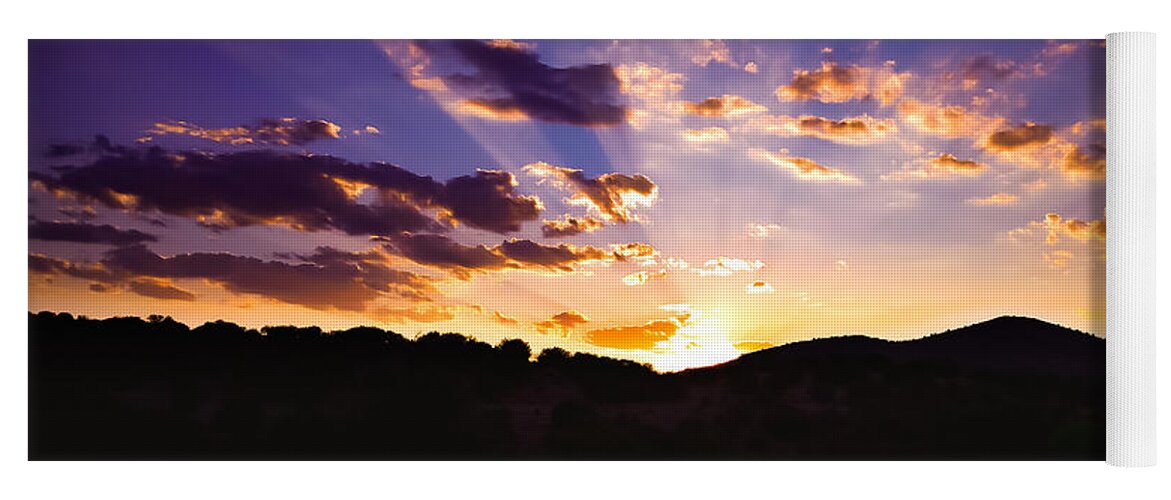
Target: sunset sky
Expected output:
[672,202]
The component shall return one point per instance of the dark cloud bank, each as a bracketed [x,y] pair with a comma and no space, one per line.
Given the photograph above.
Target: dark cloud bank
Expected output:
[514,79]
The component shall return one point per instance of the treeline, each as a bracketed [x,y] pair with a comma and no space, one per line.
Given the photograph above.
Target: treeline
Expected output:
[155,329]
[128,388]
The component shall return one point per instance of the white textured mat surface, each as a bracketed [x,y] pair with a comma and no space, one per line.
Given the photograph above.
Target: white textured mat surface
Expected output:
[1130,262]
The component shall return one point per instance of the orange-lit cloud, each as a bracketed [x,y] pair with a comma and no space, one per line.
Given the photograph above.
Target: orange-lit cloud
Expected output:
[727,105]
[726,266]
[1020,136]
[1078,151]
[158,289]
[569,225]
[415,61]
[713,51]
[1085,156]
[563,257]
[328,279]
[441,252]
[833,83]
[1055,227]
[1086,162]
[949,163]
[642,337]
[1055,48]
[1062,241]
[753,346]
[430,84]
[944,166]
[352,188]
[489,110]
[612,196]
[857,130]
[561,323]
[642,277]
[1031,145]
[648,82]
[516,254]
[1074,228]
[759,287]
[946,121]
[652,90]
[706,135]
[95,272]
[281,132]
[503,43]
[504,319]
[638,252]
[301,191]
[998,199]
[806,169]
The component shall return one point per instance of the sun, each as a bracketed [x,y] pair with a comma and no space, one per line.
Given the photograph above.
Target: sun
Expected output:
[702,340]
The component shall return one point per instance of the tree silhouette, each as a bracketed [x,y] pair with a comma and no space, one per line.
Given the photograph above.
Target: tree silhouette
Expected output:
[127,388]
[515,351]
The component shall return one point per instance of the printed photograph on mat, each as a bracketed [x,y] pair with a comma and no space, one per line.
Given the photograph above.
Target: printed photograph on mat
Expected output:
[567,249]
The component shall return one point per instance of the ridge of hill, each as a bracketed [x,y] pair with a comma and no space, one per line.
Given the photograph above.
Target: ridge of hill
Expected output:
[125,388]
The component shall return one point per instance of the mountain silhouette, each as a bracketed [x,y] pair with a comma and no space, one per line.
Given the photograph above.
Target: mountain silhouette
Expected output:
[1008,344]
[127,388]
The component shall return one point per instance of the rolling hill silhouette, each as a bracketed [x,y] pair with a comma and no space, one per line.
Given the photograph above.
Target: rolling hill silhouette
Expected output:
[1008,344]
[127,388]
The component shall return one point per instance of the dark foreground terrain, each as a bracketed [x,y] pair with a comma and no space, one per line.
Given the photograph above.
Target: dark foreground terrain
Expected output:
[126,388]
